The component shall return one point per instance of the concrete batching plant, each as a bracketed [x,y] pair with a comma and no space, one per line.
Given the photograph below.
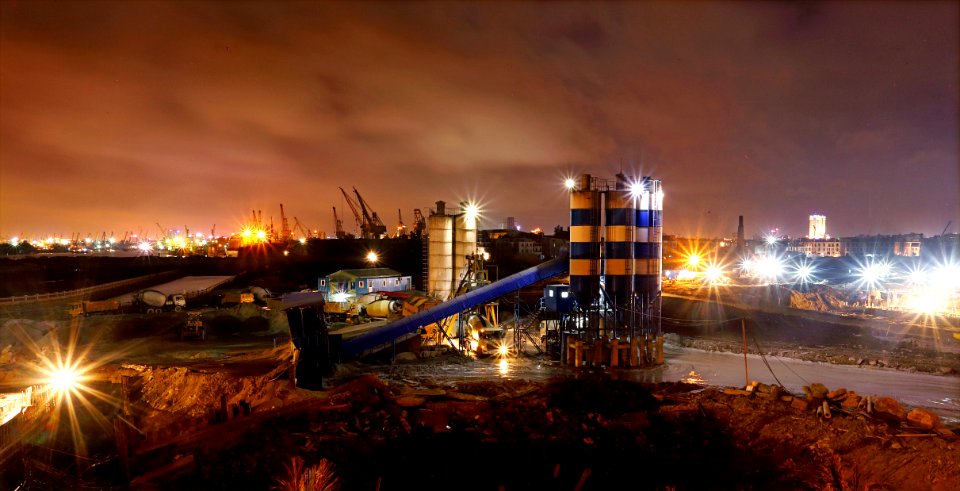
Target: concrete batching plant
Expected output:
[615,270]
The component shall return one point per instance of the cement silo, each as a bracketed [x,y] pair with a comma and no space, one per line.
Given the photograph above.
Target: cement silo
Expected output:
[648,250]
[618,268]
[584,242]
[452,237]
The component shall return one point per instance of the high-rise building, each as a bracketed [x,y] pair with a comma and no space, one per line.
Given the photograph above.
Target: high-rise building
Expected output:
[818,227]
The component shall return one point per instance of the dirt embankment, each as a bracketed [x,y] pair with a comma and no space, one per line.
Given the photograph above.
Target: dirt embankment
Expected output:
[406,433]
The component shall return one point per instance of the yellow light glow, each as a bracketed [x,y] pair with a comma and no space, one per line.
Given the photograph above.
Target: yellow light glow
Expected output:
[63,379]
[504,367]
[246,232]
[372,257]
[569,183]
[693,260]
[303,240]
[503,350]
[261,234]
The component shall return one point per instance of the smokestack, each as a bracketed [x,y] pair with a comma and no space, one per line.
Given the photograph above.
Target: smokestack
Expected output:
[740,241]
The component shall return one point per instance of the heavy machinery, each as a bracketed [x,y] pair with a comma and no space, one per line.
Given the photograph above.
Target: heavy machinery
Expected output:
[375,226]
[420,223]
[88,307]
[153,301]
[285,232]
[193,328]
[371,227]
[338,224]
[401,228]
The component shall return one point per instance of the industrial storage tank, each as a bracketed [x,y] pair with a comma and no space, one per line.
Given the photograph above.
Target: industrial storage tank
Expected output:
[440,253]
[618,249]
[464,241]
[648,245]
[584,242]
[452,237]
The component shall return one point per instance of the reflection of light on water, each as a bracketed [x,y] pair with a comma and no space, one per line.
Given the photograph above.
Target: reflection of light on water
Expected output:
[693,378]
[504,366]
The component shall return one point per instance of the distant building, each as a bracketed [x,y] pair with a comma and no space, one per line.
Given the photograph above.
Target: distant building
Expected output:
[818,227]
[815,247]
[882,245]
[362,281]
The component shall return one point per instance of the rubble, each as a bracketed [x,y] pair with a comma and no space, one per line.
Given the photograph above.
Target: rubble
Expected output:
[923,418]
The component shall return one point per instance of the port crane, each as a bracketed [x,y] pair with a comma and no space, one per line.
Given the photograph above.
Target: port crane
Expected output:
[420,223]
[401,228]
[285,232]
[355,208]
[338,225]
[375,226]
[299,227]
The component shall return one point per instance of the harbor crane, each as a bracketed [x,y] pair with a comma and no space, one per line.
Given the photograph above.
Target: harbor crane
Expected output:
[299,227]
[355,208]
[420,223]
[401,228]
[285,232]
[338,225]
[375,227]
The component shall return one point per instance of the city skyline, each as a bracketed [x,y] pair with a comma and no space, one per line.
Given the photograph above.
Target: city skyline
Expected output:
[125,115]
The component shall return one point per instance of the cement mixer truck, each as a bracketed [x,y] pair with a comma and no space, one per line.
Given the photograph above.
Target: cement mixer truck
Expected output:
[153,301]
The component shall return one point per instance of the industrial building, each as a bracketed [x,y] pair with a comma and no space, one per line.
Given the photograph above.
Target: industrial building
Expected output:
[818,227]
[359,282]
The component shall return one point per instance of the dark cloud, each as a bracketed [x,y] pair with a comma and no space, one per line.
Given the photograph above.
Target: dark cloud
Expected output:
[117,115]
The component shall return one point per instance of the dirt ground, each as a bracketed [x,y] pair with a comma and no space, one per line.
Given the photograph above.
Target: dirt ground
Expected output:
[422,425]
[223,414]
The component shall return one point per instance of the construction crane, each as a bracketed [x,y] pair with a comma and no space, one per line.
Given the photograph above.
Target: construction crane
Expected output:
[338,225]
[420,224]
[212,230]
[285,232]
[163,233]
[355,208]
[401,228]
[375,227]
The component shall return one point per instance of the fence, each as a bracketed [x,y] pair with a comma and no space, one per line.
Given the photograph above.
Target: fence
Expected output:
[41,297]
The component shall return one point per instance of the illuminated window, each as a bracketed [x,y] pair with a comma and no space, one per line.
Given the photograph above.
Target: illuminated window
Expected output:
[360,284]
[550,293]
[564,294]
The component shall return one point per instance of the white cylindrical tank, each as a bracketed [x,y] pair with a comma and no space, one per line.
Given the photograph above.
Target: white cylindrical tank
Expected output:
[153,298]
[440,255]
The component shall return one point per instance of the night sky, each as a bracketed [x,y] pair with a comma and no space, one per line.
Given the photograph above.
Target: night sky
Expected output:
[116,116]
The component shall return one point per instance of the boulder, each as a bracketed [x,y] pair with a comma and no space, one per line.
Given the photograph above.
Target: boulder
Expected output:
[852,401]
[816,391]
[889,408]
[837,395]
[923,418]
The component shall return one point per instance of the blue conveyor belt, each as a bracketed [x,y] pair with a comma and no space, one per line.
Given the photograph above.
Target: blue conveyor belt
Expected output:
[408,326]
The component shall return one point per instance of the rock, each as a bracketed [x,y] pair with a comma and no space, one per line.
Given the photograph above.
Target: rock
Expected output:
[410,401]
[852,401]
[889,408]
[837,395]
[946,370]
[406,356]
[816,391]
[800,404]
[860,361]
[737,392]
[923,418]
